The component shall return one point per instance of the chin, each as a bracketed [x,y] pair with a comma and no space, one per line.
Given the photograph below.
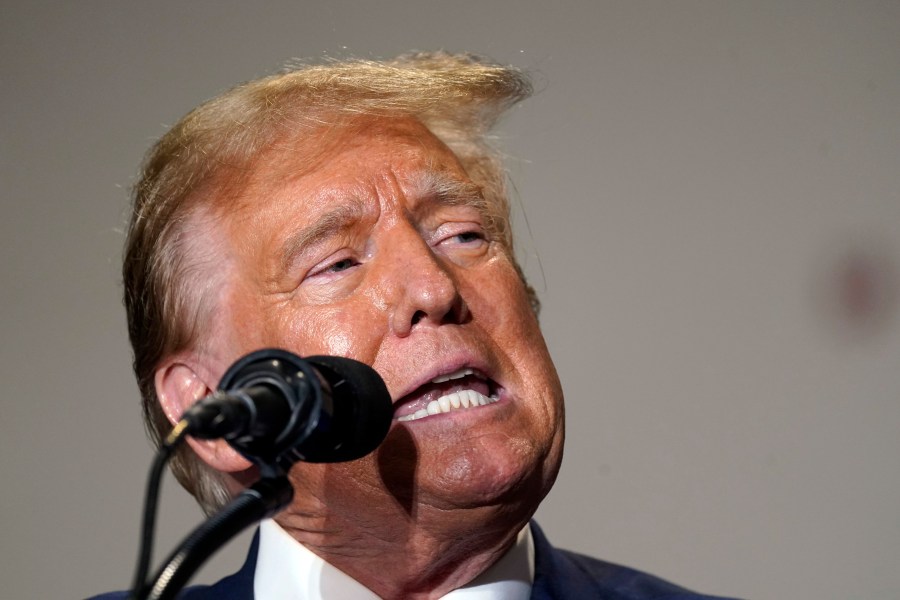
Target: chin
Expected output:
[500,474]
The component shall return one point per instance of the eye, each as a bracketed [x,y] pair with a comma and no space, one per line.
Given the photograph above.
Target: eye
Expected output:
[462,242]
[331,268]
[467,237]
[341,265]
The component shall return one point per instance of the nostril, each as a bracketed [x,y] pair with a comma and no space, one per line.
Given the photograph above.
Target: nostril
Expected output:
[417,316]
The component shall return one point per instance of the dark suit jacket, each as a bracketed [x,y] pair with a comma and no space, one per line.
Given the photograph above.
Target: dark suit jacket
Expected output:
[559,574]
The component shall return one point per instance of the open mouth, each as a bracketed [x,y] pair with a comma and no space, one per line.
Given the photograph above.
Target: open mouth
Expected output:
[461,390]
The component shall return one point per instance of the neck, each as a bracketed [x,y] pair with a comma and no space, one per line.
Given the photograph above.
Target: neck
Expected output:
[420,558]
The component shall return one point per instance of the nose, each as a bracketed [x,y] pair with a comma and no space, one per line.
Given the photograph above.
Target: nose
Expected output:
[426,293]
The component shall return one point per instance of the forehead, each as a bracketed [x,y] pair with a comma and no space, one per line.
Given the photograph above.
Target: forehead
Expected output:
[348,154]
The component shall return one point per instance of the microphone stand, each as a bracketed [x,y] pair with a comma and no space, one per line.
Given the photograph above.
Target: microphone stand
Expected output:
[265,498]
[276,409]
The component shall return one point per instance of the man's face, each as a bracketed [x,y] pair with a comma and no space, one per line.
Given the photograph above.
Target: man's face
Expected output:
[381,250]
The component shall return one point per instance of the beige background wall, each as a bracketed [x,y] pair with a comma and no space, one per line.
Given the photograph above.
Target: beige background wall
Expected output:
[712,194]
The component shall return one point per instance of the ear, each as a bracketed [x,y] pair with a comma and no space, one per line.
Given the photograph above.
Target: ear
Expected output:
[179,383]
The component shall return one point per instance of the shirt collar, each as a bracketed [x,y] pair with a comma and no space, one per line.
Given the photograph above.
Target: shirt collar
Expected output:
[287,570]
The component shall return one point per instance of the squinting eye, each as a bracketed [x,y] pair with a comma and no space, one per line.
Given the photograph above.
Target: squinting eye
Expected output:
[341,265]
[469,236]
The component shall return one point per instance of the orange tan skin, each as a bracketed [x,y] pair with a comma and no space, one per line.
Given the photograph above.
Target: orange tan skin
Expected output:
[380,250]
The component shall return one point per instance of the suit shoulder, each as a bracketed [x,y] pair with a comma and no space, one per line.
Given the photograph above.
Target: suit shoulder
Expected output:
[561,574]
[629,583]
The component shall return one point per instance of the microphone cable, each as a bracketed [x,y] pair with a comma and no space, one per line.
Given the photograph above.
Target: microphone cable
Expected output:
[151,502]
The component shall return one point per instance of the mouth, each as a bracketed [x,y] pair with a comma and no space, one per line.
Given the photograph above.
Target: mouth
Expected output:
[463,389]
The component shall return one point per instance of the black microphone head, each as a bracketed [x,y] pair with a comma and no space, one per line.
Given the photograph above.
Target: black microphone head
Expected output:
[318,409]
[362,407]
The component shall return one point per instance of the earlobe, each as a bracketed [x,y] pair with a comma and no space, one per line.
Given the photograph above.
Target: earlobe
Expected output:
[179,384]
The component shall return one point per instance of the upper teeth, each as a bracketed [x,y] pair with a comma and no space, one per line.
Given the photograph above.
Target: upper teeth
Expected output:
[455,375]
[452,401]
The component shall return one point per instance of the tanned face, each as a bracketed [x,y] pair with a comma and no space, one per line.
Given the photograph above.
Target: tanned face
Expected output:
[381,250]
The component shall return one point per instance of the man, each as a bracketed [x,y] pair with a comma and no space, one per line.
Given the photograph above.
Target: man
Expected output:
[357,209]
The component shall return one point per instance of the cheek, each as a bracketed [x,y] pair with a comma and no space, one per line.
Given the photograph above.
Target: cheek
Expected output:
[514,327]
[499,301]
[351,330]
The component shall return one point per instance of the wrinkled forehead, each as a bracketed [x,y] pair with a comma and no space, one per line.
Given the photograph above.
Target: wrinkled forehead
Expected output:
[335,149]
[334,161]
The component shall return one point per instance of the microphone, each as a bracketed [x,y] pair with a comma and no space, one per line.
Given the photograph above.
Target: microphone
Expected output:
[276,409]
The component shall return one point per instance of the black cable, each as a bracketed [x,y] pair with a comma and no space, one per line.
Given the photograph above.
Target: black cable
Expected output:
[263,499]
[151,500]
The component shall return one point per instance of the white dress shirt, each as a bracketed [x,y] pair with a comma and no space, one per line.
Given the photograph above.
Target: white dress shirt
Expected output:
[286,570]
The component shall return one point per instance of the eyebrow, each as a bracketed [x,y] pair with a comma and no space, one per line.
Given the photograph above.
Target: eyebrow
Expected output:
[447,190]
[336,220]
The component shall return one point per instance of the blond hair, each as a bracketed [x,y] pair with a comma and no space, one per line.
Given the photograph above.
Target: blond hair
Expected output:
[458,97]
